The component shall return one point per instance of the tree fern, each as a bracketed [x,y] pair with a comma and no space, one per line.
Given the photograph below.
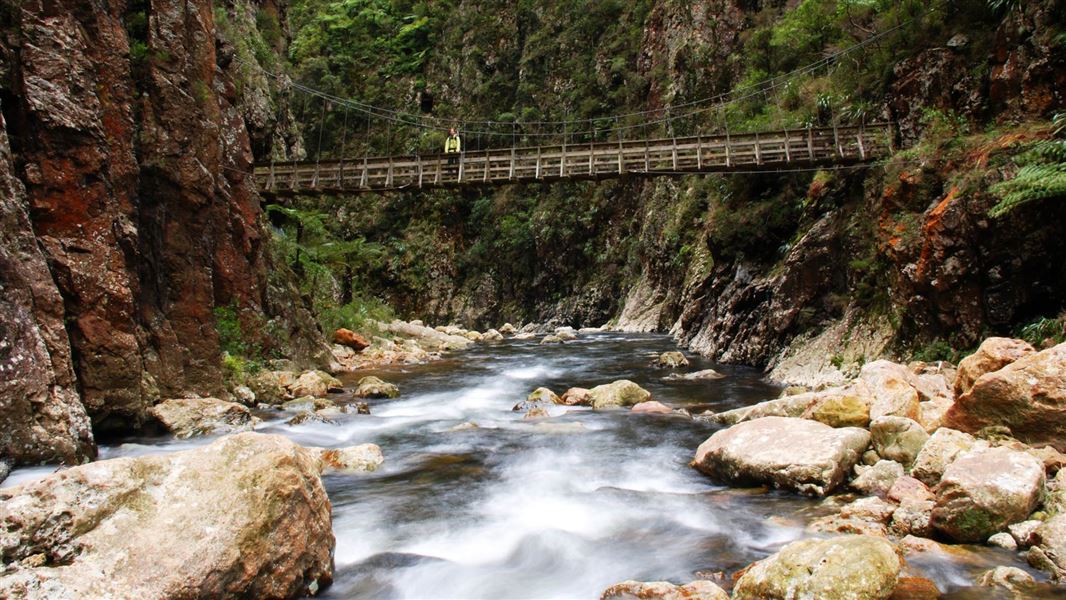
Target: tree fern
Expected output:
[1041,174]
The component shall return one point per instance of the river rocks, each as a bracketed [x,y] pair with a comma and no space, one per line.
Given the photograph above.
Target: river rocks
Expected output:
[309,416]
[878,479]
[429,338]
[796,454]
[1022,532]
[245,516]
[566,335]
[244,395]
[1008,578]
[1002,540]
[551,339]
[543,395]
[662,590]
[908,488]
[938,452]
[982,492]
[617,393]
[507,329]
[652,407]
[351,339]
[898,438]
[1028,396]
[672,360]
[536,412]
[268,388]
[840,411]
[373,387]
[314,383]
[1048,551]
[993,354]
[525,336]
[576,396]
[364,458]
[307,403]
[853,567]
[5,469]
[188,417]
[492,336]
[892,394]
[703,375]
[913,517]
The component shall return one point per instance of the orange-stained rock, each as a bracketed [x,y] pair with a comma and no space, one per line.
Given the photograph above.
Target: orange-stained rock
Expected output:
[245,516]
[353,340]
[993,354]
[663,590]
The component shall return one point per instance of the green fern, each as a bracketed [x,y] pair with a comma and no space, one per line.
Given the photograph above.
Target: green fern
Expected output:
[1041,174]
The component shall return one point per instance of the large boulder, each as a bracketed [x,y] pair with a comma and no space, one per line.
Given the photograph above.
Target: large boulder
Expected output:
[245,516]
[852,567]
[664,590]
[188,417]
[373,387]
[576,396]
[672,360]
[983,491]
[1028,396]
[428,338]
[898,438]
[878,479]
[268,387]
[893,394]
[617,393]
[796,454]
[993,354]
[1049,547]
[351,339]
[943,447]
[315,383]
[543,395]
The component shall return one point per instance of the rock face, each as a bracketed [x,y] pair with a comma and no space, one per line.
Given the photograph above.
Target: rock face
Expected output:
[852,567]
[41,415]
[796,454]
[1028,396]
[617,393]
[142,206]
[663,590]
[984,491]
[153,527]
[187,417]
[993,354]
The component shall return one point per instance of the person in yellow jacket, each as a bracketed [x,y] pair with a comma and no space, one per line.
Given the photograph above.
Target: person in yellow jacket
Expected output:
[453,146]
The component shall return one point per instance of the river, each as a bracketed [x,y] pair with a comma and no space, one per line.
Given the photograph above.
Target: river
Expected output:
[549,508]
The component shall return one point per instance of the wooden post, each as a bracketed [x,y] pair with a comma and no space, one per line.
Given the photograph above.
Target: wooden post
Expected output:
[621,166]
[270,181]
[592,156]
[788,151]
[699,153]
[510,173]
[537,176]
[440,165]
[810,144]
[459,179]
[388,176]
[673,151]
[647,161]
[728,148]
[420,171]
[836,141]
[562,159]
[485,168]
[758,154]
[363,179]
[862,147]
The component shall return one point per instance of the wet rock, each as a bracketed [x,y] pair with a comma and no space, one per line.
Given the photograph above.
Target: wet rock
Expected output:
[795,454]
[525,336]
[1028,396]
[5,469]
[652,407]
[364,458]
[1048,551]
[576,396]
[993,354]
[892,393]
[845,567]
[308,416]
[908,488]
[537,412]
[507,329]
[491,336]
[188,417]
[704,375]
[351,339]
[1008,578]
[840,411]
[373,387]
[551,339]
[943,447]
[543,395]
[315,383]
[915,588]
[1022,532]
[307,403]
[865,516]
[913,517]
[898,438]
[566,335]
[982,492]
[268,388]
[244,395]
[245,516]
[617,393]
[672,360]
[1003,540]
[662,590]
[428,338]
[878,479]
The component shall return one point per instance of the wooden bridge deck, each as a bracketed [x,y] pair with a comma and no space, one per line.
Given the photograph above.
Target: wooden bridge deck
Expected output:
[725,153]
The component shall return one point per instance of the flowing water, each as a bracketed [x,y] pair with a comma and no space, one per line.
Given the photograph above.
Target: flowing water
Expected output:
[549,508]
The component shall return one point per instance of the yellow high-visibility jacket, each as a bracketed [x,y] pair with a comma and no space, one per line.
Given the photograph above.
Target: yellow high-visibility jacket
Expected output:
[452,144]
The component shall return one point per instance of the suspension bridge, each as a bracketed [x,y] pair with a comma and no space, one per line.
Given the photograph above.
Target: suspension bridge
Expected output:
[648,143]
[721,153]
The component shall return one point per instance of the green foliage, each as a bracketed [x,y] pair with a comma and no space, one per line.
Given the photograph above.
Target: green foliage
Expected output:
[1042,329]
[1041,173]
[361,314]
[231,336]
[938,350]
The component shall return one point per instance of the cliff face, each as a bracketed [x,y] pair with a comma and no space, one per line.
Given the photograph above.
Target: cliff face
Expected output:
[137,189]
